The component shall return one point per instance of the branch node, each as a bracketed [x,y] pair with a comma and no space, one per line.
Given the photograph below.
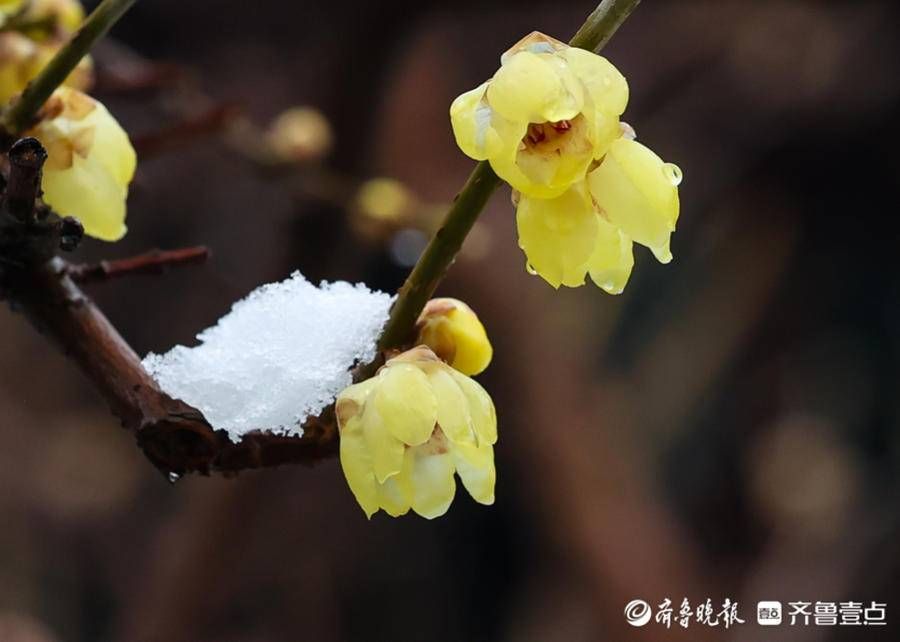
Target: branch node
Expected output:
[26,161]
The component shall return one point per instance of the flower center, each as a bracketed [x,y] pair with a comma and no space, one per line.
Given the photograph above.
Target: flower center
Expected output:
[543,136]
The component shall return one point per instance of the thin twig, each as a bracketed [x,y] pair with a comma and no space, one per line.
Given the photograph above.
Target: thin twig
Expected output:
[23,112]
[152,262]
[211,121]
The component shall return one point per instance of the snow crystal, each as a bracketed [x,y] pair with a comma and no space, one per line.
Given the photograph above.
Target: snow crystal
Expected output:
[281,355]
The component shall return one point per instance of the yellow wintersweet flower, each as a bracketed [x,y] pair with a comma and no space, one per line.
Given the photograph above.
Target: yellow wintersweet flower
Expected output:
[66,15]
[454,333]
[21,59]
[9,8]
[407,430]
[632,195]
[548,113]
[90,162]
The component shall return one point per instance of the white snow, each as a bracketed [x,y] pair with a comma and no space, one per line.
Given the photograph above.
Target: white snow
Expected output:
[281,355]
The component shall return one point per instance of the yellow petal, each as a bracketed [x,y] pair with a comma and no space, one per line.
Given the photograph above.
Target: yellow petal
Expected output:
[111,146]
[639,194]
[406,403]
[351,400]
[387,450]
[558,236]
[529,88]
[612,261]
[356,463]
[452,407]
[481,407]
[475,466]
[90,193]
[480,132]
[431,480]
[606,86]
[393,496]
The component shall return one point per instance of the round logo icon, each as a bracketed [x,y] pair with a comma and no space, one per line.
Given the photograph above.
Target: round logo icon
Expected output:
[637,612]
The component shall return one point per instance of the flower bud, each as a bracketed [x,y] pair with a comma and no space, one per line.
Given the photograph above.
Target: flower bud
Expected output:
[455,334]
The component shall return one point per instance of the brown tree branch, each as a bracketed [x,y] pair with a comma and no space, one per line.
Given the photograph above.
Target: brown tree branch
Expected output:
[174,436]
[153,262]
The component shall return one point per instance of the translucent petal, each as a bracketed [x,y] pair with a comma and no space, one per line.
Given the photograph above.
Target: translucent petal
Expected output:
[351,400]
[637,193]
[529,88]
[406,403]
[481,407]
[393,496]
[475,466]
[613,258]
[605,85]
[356,463]
[111,146]
[480,131]
[387,450]
[452,407]
[90,193]
[507,168]
[558,236]
[431,480]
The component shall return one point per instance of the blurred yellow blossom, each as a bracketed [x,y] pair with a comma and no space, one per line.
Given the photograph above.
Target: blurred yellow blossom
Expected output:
[21,59]
[407,430]
[300,134]
[455,334]
[89,165]
[65,15]
[545,116]
[9,8]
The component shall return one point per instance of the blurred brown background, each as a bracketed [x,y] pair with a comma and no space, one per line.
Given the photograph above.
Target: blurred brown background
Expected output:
[725,429]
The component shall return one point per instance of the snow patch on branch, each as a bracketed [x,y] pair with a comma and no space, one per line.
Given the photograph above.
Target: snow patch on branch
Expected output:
[281,355]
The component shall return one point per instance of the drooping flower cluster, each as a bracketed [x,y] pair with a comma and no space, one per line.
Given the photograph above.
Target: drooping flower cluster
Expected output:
[90,162]
[406,431]
[45,26]
[549,124]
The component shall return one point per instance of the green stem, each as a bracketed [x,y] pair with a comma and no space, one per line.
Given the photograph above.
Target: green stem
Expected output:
[446,243]
[600,26]
[23,112]
[437,257]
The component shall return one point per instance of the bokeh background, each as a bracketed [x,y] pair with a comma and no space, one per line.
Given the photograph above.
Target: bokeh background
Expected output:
[725,429]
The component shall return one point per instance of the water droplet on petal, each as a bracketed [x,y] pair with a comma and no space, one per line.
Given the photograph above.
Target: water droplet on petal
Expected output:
[673,174]
[530,269]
